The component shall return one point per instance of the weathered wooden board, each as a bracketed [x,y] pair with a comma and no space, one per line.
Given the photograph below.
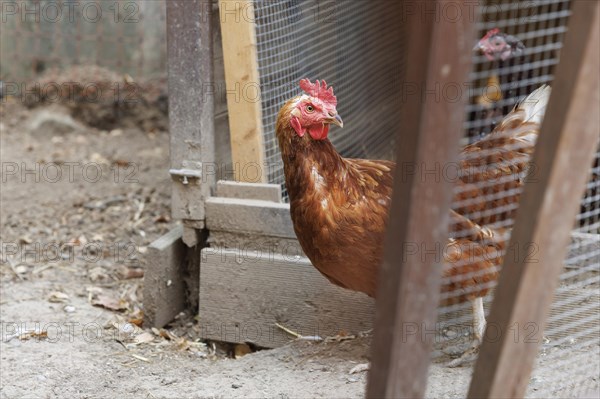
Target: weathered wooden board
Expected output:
[263,218]
[243,295]
[260,191]
[164,287]
[243,87]
[191,110]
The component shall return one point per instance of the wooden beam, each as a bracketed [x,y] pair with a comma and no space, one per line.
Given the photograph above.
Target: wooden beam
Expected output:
[243,88]
[263,191]
[546,214]
[440,54]
[266,218]
[191,108]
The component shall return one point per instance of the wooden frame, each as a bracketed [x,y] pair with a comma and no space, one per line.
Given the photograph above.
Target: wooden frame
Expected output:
[409,285]
[243,87]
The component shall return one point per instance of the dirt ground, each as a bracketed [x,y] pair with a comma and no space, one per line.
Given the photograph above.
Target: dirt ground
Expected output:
[73,241]
[78,208]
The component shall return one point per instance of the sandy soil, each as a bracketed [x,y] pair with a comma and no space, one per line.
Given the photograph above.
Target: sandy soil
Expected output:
[70,275]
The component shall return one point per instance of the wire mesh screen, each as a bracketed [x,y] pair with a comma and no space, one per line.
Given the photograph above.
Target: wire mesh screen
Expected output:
[355,46]
[123,36]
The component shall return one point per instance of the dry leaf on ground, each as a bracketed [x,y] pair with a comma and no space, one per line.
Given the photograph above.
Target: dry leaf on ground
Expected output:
[109,302]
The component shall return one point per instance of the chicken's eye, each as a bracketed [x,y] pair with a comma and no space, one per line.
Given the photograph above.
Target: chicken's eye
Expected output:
[310,108]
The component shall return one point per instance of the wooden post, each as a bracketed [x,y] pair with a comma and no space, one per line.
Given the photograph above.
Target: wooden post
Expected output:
[243,89]
[440,55]
[546,214]
[171,281]
[191,106]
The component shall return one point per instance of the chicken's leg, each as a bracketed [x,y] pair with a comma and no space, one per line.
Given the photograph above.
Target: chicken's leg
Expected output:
[478,331]
[478,320]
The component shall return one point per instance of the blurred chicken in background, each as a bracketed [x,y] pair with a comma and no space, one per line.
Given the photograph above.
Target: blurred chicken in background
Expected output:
[503,51]
[497,47]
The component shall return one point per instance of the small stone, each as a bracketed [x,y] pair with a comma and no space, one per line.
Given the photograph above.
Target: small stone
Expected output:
[359,368]
[21,269]
[450,334]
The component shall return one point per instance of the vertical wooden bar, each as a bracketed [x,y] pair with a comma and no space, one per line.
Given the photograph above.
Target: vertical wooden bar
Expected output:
[191,106]
[546,214]
[440,56]
[172,277]
[243,89]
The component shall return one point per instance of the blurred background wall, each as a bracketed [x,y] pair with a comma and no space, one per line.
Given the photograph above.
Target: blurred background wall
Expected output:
[125,36]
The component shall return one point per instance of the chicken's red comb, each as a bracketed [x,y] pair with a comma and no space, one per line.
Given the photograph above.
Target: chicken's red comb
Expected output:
[490,33]
[319,90]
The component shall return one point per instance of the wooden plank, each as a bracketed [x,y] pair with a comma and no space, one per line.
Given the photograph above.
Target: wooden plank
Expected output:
[172,276]
[546,214]
[243,294]
[243,89]
[439,54]
[260,191]
[222,138]
[263,218]
[164,289]
[191,110]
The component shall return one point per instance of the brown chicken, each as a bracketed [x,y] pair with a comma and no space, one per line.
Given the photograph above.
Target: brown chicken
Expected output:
[339,206]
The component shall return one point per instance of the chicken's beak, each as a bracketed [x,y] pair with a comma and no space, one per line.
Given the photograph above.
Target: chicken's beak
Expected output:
[336,120]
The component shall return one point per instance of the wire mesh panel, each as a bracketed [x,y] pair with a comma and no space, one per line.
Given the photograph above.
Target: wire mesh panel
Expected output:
[124,36]
[355,46]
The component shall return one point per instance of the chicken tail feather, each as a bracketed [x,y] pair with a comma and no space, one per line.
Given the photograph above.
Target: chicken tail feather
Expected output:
[534,105]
